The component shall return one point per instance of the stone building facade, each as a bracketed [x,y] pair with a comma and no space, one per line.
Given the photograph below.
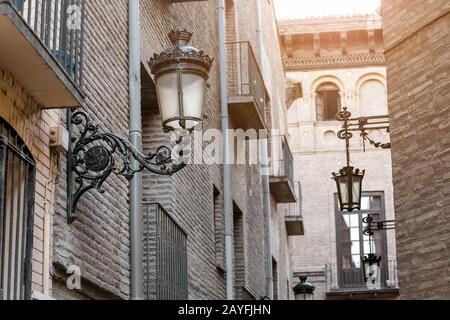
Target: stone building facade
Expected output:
[339,62]
[417,42]
[191,201]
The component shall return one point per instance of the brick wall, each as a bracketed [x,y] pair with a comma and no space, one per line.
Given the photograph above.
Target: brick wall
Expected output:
[418,63]
[98,241]
[33,125]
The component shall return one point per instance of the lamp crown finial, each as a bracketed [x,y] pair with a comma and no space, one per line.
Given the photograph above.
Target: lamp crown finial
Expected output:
[180,37]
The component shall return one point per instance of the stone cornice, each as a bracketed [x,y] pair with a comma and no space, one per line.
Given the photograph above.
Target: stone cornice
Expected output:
[355,60]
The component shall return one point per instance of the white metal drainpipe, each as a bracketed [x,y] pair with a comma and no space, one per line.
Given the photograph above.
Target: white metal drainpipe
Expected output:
[265,178]
[136,249]
[228,214]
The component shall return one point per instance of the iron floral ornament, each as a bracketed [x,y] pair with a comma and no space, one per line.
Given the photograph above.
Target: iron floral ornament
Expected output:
[94,156]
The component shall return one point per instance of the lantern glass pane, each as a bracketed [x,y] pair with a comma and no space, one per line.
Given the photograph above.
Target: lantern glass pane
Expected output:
[167,89]
[356,190]
[193,97]
[343,188]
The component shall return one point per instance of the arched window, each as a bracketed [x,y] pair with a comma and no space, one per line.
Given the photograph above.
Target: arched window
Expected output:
[17,184]
[373,98]
[328,101]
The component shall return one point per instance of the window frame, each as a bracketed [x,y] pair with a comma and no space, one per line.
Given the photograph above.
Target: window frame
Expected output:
[339,246]
[324,94]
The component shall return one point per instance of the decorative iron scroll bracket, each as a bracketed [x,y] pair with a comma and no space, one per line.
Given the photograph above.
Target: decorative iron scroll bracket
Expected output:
[376,225]
[363,125]
[94,156]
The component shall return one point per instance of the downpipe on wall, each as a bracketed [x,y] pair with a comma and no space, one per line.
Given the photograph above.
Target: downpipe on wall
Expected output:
[265,178]
[136,249]
[228,214]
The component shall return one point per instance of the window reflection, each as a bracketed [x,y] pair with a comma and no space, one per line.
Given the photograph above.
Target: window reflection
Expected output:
[353,244]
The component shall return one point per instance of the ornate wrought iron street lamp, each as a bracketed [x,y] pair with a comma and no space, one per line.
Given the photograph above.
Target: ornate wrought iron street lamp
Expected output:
[372,262]
[304,290]
[348,180]
[180,74]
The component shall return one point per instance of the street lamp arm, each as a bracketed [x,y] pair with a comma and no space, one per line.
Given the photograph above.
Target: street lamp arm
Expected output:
[94,156]
[372,225]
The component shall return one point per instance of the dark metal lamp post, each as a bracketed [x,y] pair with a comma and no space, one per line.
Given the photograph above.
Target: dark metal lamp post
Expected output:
[181,73]
[304,290]
[372,262]
[348,179]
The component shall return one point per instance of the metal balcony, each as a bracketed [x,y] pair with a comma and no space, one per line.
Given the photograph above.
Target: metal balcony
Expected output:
[293,216]
[344,284]
[42,47]
[247,93]
[282,178]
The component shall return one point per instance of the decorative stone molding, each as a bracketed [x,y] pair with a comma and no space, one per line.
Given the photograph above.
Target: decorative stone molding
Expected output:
[356,60]
[294,91]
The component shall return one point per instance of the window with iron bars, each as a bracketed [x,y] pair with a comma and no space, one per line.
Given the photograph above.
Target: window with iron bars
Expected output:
[165,256]
[17,185]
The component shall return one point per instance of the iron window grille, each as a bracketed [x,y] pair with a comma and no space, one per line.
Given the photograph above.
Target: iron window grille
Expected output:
[17,185]
[165,256]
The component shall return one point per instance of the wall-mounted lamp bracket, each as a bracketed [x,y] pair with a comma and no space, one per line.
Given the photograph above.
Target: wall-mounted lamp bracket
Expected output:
[363,125]
[94,156]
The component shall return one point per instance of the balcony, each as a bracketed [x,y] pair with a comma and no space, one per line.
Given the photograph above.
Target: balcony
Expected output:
[293,216]
[42,48]
[247,93]
[282,178]
[350,285]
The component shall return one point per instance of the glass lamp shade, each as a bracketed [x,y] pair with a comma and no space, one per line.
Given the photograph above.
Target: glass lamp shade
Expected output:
[304,296]
[371,267]
[304,290]
[181,73]
[349,186]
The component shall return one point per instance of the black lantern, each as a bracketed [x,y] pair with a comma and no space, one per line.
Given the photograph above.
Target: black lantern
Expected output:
[181,73]
[349,186]
[348,180]
[304,290]
[371,267]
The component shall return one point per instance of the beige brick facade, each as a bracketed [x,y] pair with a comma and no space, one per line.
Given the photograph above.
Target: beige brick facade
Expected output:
[417,37]
[317,150]
[33,125]
[98,242]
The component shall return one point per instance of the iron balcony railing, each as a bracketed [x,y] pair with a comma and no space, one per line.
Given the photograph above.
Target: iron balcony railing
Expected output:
[59,25]
[165,255]
[339,280]
[244,74]
[295,209]
[283,165]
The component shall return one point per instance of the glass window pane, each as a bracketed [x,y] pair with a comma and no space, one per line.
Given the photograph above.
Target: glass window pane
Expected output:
[365,203]
[346,219]
[356,261]
[375,202]
[356,248]
[355,234]
[354,220]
